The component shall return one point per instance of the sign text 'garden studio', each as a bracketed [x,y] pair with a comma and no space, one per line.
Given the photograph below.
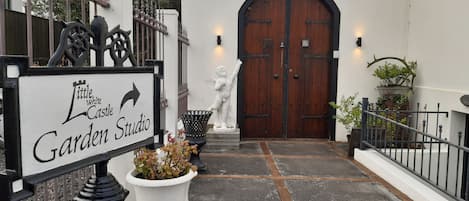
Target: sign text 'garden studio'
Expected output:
[68,118]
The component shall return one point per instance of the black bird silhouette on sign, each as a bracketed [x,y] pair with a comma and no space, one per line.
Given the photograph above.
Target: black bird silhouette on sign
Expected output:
[131,95]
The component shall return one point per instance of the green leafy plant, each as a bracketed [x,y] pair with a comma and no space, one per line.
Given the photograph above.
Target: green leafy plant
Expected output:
[170,161]
[348,112]
[392,74]
[393,103]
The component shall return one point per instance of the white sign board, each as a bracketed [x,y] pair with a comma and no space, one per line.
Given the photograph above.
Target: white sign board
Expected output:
[68,118]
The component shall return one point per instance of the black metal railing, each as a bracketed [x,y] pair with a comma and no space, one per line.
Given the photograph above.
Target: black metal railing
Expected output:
[183,90]
[414,140]
[149,30]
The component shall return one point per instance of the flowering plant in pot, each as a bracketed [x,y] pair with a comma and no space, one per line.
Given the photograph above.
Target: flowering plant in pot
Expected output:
[163,174]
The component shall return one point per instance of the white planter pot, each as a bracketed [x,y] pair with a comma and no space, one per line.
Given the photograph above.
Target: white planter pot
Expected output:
[396,90]
[176,189]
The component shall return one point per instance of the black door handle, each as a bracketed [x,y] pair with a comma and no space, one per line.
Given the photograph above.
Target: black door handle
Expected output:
[296,76]
[276,76]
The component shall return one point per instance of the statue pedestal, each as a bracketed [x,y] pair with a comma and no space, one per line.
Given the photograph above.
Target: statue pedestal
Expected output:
[219,140]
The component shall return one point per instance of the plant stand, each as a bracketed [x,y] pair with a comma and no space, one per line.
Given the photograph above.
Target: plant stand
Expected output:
[195,124]
[354,141]
[102,187]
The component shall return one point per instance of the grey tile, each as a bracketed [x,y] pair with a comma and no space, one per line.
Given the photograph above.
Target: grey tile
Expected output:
[210,189]
[244,148]
[301,149]
[338,191]
[221,165]
[317,167]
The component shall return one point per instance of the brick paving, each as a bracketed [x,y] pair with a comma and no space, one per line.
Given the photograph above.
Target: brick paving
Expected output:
[263,170]
[288,171]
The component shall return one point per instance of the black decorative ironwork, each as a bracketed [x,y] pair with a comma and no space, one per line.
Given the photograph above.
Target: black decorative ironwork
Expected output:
[195,124]
[120,47]
[75,44]
[425,153]
[103,186]
[74,50]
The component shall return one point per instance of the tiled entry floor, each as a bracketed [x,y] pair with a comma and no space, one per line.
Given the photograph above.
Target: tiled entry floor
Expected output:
[286,171]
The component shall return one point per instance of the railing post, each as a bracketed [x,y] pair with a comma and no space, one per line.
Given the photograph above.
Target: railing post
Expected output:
[29,31]
[364,122]
[466,191]
[466,186]
[5,187]
[51,27]
[2,28]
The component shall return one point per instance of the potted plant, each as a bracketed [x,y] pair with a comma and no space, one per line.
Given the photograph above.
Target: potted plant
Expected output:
[396,78]
[164,174]
[349,114]
[396,85]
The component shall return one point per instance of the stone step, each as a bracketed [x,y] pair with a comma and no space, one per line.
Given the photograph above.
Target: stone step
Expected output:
[221,143]
[222,136]
[216,148]
[220,140]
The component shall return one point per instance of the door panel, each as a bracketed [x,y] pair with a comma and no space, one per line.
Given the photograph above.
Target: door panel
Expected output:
[300,71]
[262,73]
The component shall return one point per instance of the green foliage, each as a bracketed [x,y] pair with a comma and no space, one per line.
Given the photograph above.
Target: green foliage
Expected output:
[392,102]
[171,161]
[392,74]
[395,75]
[40,9]
[348,112]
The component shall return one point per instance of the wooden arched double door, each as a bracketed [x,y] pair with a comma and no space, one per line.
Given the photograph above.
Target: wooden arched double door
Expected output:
[289,73]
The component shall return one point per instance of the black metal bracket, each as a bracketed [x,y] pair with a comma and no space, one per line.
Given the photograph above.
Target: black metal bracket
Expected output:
[158,67]
[75,44]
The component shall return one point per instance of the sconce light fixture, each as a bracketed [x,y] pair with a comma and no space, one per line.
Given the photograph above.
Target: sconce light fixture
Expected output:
[359,42]
[218,39]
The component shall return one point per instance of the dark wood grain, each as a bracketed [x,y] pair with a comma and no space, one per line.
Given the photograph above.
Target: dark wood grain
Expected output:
[265,29]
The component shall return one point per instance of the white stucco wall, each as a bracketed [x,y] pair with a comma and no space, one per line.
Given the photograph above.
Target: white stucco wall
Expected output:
[383,24]
[171,69]
[204,20]
[438,41]
[17,5]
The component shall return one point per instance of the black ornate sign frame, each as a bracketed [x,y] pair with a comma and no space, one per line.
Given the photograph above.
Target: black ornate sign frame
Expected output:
[76,44]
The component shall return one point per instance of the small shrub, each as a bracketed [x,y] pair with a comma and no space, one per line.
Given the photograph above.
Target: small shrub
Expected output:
[392,74]
[170,161]
[348,112]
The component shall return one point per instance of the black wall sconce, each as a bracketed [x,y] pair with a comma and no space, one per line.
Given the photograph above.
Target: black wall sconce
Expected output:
[359,42]
[218,39]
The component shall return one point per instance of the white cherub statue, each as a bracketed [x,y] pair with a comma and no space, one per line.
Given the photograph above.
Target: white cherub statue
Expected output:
[223,87]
